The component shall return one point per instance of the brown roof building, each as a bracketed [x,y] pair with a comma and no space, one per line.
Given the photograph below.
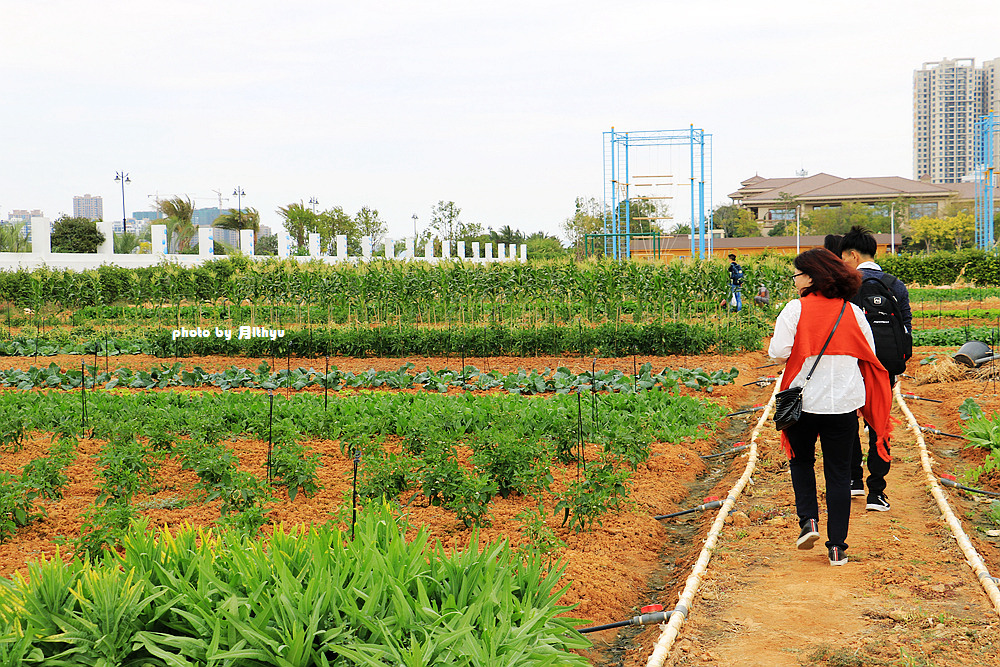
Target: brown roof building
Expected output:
[775,199]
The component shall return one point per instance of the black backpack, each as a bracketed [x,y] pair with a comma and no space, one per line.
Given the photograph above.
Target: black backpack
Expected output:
[736,274]
[893,344]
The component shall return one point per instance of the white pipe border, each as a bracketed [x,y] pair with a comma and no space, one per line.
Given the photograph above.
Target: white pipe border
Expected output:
[971,556]
[671,629]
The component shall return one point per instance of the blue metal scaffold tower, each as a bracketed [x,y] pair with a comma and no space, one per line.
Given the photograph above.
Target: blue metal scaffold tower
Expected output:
[619,153]
[984,165]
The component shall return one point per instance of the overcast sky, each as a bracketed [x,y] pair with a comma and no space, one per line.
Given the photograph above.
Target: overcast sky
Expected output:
[499,107]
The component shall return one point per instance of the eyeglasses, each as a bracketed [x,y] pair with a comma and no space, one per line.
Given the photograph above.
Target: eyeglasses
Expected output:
[796,275]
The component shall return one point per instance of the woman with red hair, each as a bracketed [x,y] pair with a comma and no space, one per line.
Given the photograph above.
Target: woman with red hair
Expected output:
[848,378]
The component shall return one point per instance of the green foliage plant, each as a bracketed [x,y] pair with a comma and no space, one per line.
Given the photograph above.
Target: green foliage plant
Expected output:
[584,502]
[294,469]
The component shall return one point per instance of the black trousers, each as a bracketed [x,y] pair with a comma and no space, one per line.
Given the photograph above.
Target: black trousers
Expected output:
[877,468]
[836,435]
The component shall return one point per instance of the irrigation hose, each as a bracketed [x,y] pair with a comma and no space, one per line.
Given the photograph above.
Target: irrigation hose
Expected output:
[952,483]
[704,506]
[971,556]
[727,452]
[680,612]
[647,618]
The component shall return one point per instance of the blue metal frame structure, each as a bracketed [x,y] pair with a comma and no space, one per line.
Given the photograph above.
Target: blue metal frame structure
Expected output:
[618,148]
[985,170]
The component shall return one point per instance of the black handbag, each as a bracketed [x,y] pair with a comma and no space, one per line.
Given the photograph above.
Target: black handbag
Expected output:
[788,402]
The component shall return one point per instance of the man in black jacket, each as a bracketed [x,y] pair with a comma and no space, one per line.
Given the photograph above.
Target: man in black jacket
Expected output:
[857,249]
[735,283]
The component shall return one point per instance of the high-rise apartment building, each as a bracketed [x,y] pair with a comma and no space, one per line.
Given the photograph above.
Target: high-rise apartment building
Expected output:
[88,207]
[948,97]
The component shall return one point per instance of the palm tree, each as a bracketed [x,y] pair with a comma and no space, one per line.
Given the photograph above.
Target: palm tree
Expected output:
[12,238]
[248,218]
[180,229]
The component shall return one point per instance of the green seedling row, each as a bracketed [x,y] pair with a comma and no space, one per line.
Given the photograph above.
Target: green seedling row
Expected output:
[560,381]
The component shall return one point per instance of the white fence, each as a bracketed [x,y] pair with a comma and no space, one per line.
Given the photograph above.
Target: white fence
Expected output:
[42,255]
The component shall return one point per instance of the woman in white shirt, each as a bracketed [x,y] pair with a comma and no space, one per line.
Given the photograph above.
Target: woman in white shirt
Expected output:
[848,378]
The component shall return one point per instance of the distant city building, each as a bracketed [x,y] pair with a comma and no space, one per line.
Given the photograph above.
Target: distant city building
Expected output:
[948,97]
[146,215]
[88,207]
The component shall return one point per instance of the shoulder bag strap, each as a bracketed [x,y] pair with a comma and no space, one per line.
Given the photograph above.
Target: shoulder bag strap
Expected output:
[828,338]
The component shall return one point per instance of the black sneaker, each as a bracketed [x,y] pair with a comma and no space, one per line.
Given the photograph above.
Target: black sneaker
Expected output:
[857,487]
[878,503]
[837,556]
[809,535]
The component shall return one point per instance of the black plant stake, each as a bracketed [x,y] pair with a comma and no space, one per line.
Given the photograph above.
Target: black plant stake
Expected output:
[593,394]
[326,383]
[462,375]
[635,374]
[270,432]
[83,395]
[288,374]
[354,498]
[105,352]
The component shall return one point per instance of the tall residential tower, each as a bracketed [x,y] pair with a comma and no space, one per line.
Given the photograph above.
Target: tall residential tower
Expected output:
[948,97]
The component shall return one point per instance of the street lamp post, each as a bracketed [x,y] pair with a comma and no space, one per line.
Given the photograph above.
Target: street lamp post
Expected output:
[414,229]
[239,204]
[123,177]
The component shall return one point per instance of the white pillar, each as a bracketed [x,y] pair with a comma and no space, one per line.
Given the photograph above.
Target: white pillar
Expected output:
[284,243]
[159,235]
[206,242]
[461,250]
[314,244]
[501,252]
[246,242]
[390,249]
[475,251]
[445,249]
[366,248]
[341,251]
[429,250]
[488,256]
[524,252]
[106,227]
[410,252]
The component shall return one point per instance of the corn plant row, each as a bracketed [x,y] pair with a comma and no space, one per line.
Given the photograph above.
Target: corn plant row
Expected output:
[407,292]
[307,597]
[560,381]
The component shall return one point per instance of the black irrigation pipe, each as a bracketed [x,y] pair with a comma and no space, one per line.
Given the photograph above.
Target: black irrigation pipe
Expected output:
[921,398]
[738,447]
[757,368]
[762,381]
[744,412]
[931,429]
[948,480]
[712,504]
[651,614]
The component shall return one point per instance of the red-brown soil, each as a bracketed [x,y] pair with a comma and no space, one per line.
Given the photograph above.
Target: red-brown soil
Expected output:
[906,597]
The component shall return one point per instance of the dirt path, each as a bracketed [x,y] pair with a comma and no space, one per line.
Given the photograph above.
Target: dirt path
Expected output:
[906,597]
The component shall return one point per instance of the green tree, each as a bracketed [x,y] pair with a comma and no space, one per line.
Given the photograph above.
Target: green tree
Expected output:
[298,221]
[368,223]
[180,229]
[587,219]
[266,245]
[75,235]
[335,221]
[735,221]
[248,218]
[840,219]
[543,246]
